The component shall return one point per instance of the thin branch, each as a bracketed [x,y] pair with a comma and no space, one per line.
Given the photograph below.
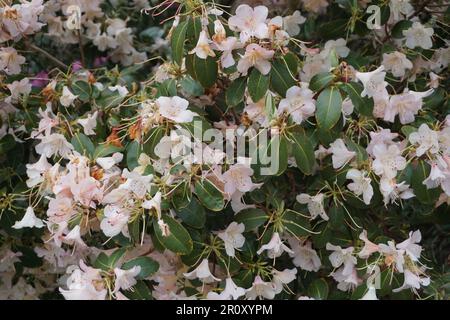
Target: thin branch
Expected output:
[48,55]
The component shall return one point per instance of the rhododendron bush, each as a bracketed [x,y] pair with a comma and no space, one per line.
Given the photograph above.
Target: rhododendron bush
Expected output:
[189,149]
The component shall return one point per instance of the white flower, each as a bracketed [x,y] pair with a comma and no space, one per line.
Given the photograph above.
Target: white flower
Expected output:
[36,171]
[10,61]
[418,36]
[89,123]
[434,80]
[250,22]
[175,109]
[84,283]
[67,97]
[29,220]
[299,104]
[427,139]
[339,47]
[261,289]
[282,277]
[346,281]
[361,184]
[108,162]
[342,257]
[371,294]
[393,255]
[315,205]
[115,221]
[54,144]
[341,155]
[384,136]
[398,7]
[369,247]
[232,237]
[154,203]
[292,23]
[436,177]
[122,90]
[388,160]
[125,279]
[18,88]
[397,63]
[412,281]
[136,183]
[74,237]
[203,48]
[410,246]
[202,273]
[238,178]
[305,257]
[275,247]
[255,56]
[406,105]
[231,291]
[347,107]
[227,46]
[373,82]
[391,190]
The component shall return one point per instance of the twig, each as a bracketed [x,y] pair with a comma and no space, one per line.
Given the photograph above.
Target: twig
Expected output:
[48,55]
[80,45]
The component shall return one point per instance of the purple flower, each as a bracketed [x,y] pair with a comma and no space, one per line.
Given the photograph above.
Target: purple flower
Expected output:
[100,61]
[40,79]
[77,65]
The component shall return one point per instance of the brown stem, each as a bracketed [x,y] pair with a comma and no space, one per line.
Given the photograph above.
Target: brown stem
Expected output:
[48,55]
[80,45]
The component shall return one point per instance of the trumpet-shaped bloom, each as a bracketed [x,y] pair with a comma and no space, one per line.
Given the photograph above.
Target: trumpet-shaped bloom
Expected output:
[255,56]
[250,22]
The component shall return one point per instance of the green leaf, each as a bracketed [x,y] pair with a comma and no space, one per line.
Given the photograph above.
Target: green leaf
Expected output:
[7,143]
[258,85]
[209,195]
[296,223]
[251,218]
[182,195]
[82,89]
[421,172]
[320,81]
[140,291]
[105,150]
[148,266]
[397,30]
[133,152]
[333,29]
[178,240]
[202,70]
[328,108]
[361,153]
[281,78]
[235,92]
[152,138]
[107,263]
[109,99]
[318,289]
[407,130]
[177,42]
[363,105]
[270,108]
[83,144]
[193,32]
[168,88]
[193,215]
[303,151]
[192,87]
